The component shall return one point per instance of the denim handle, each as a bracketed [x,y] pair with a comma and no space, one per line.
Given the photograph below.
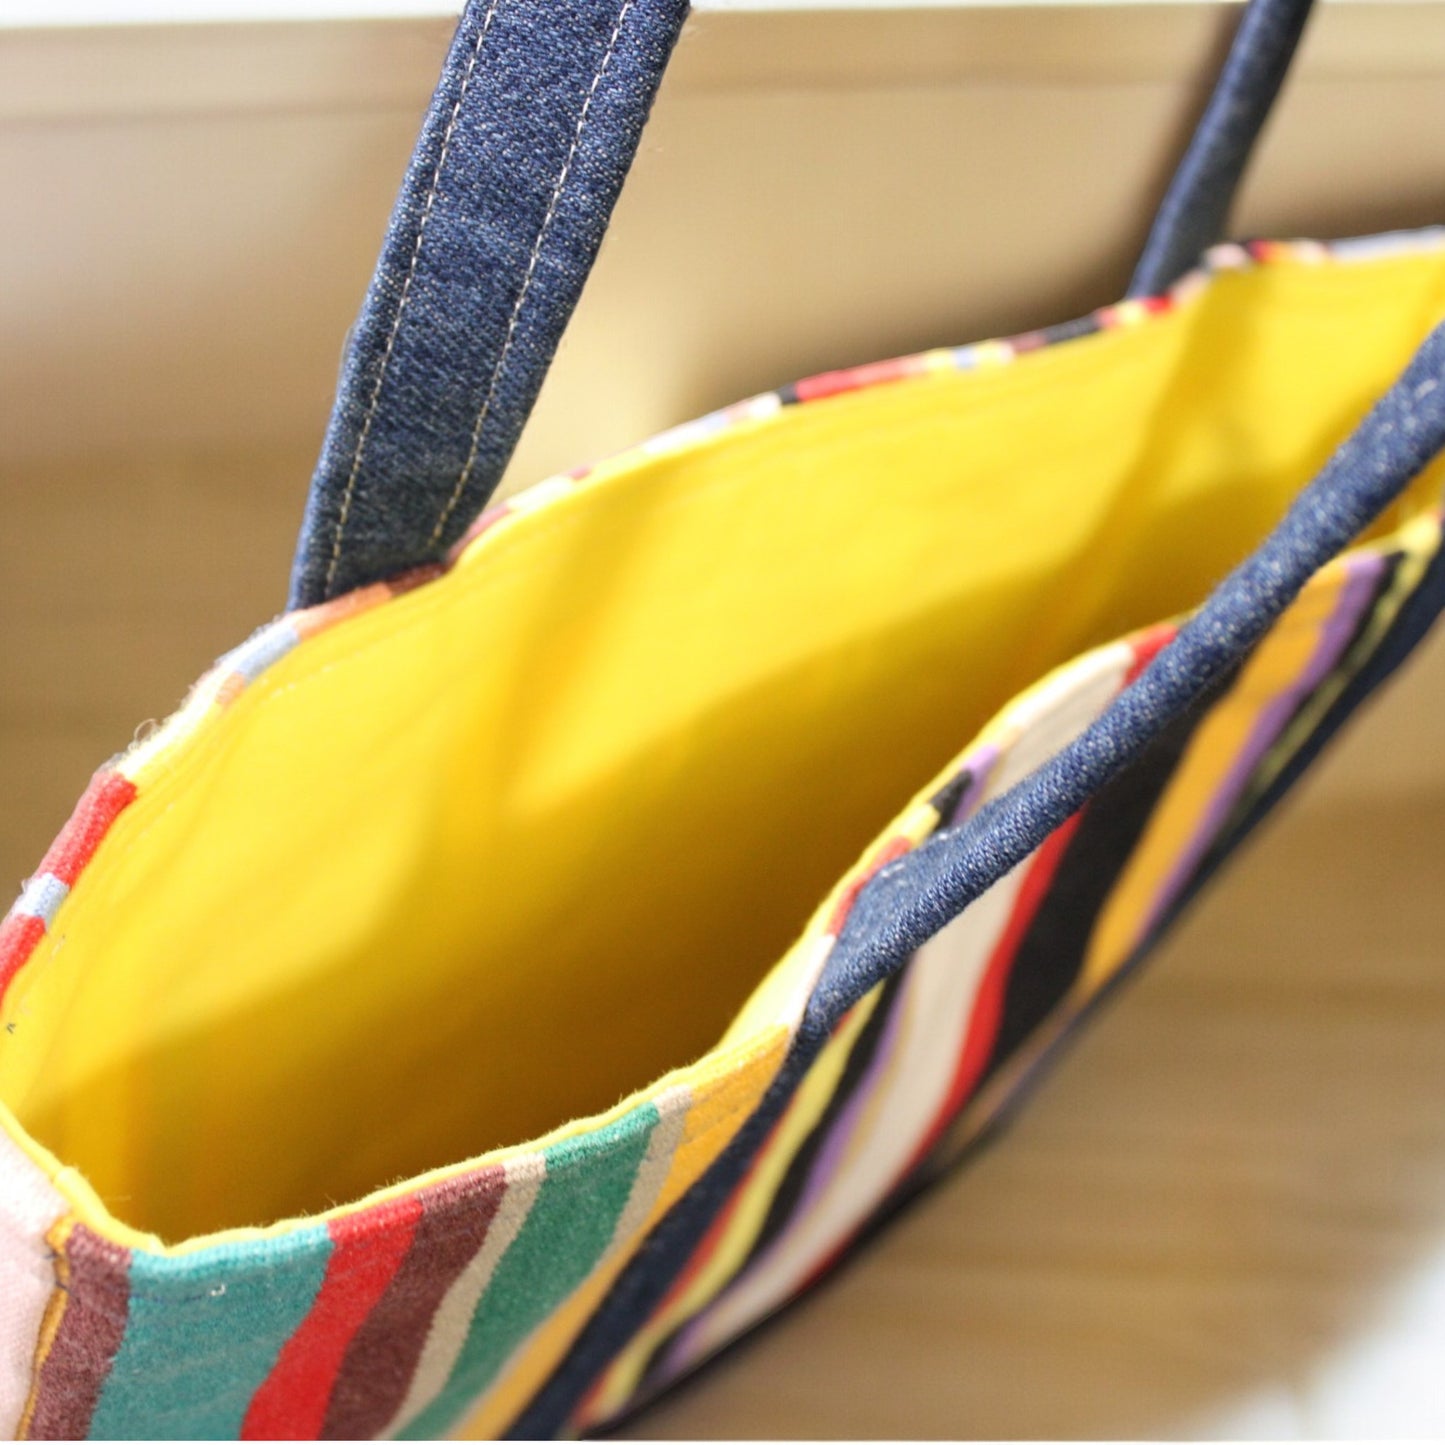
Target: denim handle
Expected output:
[1195,208]
[532,129]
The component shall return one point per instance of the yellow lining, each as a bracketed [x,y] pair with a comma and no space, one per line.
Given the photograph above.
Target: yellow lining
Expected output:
[496,854]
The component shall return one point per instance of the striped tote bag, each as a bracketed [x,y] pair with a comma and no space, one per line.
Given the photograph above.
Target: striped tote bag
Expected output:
[550,945]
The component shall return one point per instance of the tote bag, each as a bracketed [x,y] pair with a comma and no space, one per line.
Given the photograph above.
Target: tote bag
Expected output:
[548,947]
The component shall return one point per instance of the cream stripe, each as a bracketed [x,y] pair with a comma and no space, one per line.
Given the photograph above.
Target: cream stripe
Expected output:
[498,1402]
[942,988]
[943,981]
[453,1319]
[672,1106]
[752,1200]
[1053,713]
[29,1208]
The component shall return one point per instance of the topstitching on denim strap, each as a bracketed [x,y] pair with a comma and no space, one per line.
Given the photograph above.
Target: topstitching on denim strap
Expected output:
[365,431]
[557,189]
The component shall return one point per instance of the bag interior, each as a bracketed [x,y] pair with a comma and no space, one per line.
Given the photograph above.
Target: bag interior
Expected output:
[504,850]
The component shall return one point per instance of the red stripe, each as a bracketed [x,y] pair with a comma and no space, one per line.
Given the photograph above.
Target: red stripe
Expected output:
[19,934]
[1147,645]
[988,1008]
[832,383]
[381,1359]
[368,1249]
[415,577]
[1029,341]
[894,848]
[107,797]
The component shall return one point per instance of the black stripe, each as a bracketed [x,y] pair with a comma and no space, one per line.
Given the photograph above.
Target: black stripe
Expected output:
[1052,952]
[860,1058]
[946,800]
[784,1202]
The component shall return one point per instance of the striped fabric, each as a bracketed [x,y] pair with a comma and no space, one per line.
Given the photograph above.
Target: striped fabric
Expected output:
[931,1057]
[451,1305]
[388,1321]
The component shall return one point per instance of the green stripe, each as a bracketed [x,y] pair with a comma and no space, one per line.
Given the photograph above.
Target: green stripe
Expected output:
[202,1332]
[586,1188]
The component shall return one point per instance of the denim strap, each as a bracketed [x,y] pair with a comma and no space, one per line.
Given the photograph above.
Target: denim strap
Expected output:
[1195,208]
[533,126]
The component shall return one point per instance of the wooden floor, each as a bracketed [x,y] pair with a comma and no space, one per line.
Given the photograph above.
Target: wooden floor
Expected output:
[1223,1215]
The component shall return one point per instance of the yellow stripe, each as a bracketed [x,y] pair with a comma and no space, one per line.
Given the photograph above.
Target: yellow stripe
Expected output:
[746,1221]
[1418,543]
[1217,743]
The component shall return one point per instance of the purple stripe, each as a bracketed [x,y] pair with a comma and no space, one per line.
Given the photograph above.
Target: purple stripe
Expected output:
[979,766]
[830,1155]
[824,1168]
[1355,596]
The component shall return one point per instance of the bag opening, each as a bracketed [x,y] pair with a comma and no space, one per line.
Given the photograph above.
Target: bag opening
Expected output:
[505,849]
